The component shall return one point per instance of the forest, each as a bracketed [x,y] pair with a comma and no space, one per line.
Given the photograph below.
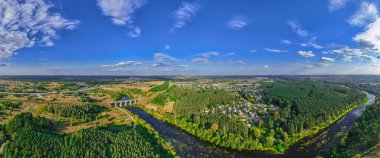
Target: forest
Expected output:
[362,137]
[306,105]
[86,112]
[30,137]
[8,105]
[303,107]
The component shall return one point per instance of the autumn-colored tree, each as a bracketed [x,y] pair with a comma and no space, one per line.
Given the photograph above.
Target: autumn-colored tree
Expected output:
[214,127]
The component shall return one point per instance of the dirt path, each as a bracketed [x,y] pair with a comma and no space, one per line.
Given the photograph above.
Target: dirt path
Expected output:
[130,116]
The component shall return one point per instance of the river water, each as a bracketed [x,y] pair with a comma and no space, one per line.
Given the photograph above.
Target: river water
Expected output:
[187,145]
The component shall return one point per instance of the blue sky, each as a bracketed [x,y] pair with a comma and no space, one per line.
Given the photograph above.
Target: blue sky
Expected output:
[204,37]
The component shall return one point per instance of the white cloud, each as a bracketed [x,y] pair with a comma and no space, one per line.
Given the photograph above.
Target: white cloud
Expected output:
[370,38]
[336,4]
[122,64]
[134,32]
[326,59]
[347,53]
[314,44]
[167,47]
[367,58]
[303,44]
[287,42]
[209,54]
[185,12]
[162,56]
[200,61]
[297,28]
[366,14]
[325,52]
[368,17]
[346,58]
[121,13]
[240,62]
[265,66]
[183,66]
[229,54]
[161,64]
[28,23]
[237,22]
[306,54]
[275,50]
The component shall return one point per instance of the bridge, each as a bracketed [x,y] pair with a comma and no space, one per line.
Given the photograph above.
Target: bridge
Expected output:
[122,103]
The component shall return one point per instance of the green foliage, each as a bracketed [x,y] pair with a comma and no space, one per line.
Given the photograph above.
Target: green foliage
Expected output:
[306,105]
[161,99]
[41,88]
[85,112]
[364,135]
[161,87]
[7,105]
[301,106]
[72,86]
[130,93]
[85,98]
[29,141]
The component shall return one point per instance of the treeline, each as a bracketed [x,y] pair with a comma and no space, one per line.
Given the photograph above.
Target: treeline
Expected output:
[72,86]
[85,112]
[27,140]
[130,93]
[160,87]
[305,106]
[300,107]
[8,105]
[84,97]
[362,136]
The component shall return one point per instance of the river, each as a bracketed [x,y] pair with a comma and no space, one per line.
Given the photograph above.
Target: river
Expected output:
[187,145]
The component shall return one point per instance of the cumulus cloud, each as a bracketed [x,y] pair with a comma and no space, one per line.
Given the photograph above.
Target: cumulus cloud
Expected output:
[327,59]
[336,4]
[28,23]
[297,28]
[275,50]
[367,58]
[347,53]
[209,54]
[200,60]
[121,13]
[368,17]
[161,64]
[370,38]
[184,14]
[162,56]
[366,14]
[346,58]
[265,66]
[237,22]
[306,54]
[122,64]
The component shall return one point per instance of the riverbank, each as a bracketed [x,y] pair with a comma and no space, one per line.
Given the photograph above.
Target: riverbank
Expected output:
[265,151]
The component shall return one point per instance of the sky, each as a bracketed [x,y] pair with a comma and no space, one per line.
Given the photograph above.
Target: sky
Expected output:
[189,37]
